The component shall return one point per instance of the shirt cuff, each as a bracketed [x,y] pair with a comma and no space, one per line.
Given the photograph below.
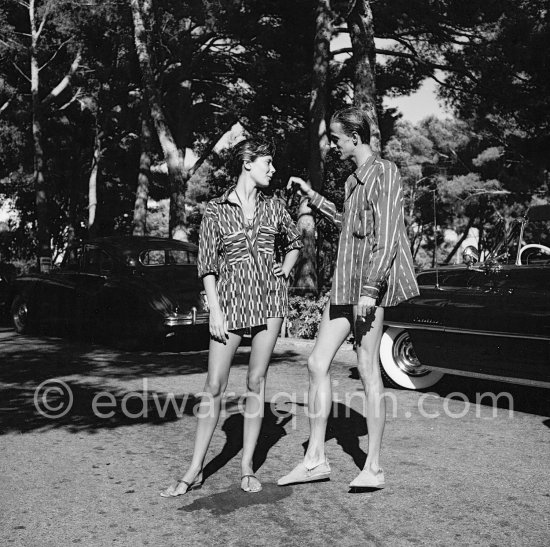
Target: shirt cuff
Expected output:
[204,273]
[368,290]
[316,200]
[297,244]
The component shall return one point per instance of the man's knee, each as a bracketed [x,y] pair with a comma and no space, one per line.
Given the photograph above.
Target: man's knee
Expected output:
[369,369]
[317,367]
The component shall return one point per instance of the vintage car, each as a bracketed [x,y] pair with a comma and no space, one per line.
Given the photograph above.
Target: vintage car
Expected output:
[124,289]
[7,275]
[487,320]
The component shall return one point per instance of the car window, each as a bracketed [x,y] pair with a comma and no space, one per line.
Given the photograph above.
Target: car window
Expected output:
[537,232]
[97,261]
[71,260]
[167,257]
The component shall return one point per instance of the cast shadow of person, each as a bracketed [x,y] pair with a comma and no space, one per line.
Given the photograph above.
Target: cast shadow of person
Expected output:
[346,426]
[272,430]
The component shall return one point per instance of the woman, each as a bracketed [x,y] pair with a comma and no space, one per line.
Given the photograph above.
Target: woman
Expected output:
[374,269]
[247,293]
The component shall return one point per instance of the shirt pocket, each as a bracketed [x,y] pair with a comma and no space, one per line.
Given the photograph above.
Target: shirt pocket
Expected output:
[236,248]
[266,239]
[364,223]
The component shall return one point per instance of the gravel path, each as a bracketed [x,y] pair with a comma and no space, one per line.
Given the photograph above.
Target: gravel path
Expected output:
[457,472]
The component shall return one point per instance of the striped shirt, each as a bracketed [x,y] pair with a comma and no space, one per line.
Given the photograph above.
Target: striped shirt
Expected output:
[373,256]
[248,290]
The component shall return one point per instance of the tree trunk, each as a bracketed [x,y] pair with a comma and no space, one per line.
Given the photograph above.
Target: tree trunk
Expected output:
[172,155]
[92,183]
[74,191]
[144,176]
[306,268]
[361,29]
[41,200]
[318,138]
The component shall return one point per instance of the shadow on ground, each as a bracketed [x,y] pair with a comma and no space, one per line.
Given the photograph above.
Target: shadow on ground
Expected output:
[273,429]
[32,359]
[49,383]
[346,426]
[532,400]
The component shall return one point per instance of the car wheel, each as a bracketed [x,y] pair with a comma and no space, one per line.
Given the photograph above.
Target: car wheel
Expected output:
[399,364]
[20,314]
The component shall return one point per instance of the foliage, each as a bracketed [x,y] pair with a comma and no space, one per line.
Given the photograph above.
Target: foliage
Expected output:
[506,97]
[250,60]
[304,315]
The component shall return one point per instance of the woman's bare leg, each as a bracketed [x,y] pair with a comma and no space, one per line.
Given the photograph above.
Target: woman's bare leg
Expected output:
[332,334]
[263,343]
[220,357]
[369,335]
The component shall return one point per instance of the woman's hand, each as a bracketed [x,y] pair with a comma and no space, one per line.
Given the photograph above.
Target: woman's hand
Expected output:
[296,183]
[218,326]
[365,307]
[278,271]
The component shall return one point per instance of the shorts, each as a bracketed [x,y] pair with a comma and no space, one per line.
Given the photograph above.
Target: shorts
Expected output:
[341,310]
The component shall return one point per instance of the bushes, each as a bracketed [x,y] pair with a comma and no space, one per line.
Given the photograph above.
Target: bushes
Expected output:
[304,315]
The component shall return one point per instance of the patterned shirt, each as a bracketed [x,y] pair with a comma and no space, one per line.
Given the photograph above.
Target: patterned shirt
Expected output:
[373,256]
[242,261]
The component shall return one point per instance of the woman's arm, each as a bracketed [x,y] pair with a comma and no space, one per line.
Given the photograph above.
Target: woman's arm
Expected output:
[218,324]
[289,261]
[293,239]
[208,268]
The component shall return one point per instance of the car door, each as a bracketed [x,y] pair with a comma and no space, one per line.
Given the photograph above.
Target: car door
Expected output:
[96,267]
[521,309]
[54,294]
[428,314]
[499,323]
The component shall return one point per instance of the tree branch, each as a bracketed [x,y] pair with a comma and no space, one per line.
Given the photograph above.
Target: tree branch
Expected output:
[64,83]
[21,72]
[5,105]
[341,50]
[72,100]
[43,22]
[211,145]
[429,64]
[55,54]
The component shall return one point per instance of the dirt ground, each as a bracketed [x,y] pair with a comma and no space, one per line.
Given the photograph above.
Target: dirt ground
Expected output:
[459,470]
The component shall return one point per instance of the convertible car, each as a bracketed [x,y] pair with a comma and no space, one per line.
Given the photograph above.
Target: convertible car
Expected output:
[487,320]
[127,290]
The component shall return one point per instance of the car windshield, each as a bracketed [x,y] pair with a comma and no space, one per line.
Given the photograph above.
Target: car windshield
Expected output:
[537,232]
[510,238]
[503,242]
[167,257]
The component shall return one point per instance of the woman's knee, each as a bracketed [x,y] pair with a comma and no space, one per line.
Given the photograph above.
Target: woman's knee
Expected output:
[214,386]
[254,382]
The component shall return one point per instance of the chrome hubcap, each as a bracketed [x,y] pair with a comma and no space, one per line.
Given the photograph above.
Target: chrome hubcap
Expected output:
[405,357]
[20,316]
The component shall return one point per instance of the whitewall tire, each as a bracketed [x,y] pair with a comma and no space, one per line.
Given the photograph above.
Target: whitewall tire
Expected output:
[399,365]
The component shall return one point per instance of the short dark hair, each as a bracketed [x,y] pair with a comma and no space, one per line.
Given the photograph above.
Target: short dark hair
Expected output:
[353,119]
[248,150]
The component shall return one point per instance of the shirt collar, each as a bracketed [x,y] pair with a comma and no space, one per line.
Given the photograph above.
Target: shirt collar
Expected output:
[361,171]
[224,198]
